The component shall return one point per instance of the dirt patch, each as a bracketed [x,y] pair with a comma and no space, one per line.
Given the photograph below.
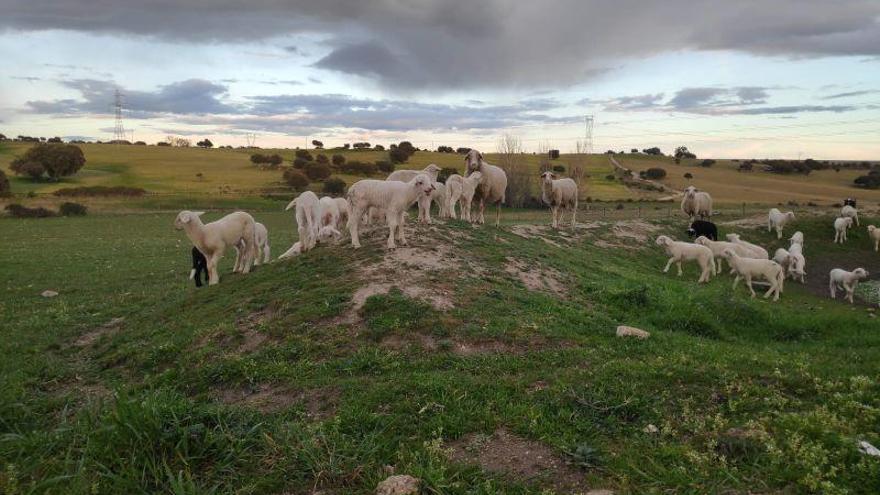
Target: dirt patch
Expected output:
[318,404]
[249,327]
[820,264]
[525,460]
[535,276]
[752,222]
[634,230]
[89,338]
[461,347]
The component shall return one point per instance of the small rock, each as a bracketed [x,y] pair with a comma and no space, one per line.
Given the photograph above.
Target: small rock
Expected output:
[49,293]
[625,331]
[401,484]
[650,429]
[867,448]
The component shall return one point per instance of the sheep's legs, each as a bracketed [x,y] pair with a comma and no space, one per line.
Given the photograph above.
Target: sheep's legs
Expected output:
[213,276]
[266,251]
[668,264]
[749,285]
[735,282]
[353,220]
[574,212]
[850,289]
[392,226]
[481,218]
[678,264]
[236,266]
[400,229]
[498,215]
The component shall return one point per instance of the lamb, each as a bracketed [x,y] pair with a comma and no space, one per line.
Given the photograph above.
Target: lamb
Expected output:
[214,238]
[685,251]
[328,233]
[437,196]
[199,267]
[492,187]
[559,193]
[797,238]
[696,203]
[469,186]
[783,257]
[848,281]
[755,250]
[703,228]
[718,248]
[850,212]
[407,175]
[308,218]
[394,197]
[294,250]
[874,235]
[777,220]
[792,262]
[841,224]
[748,268]
[329,212]
[344,210]
[261,236]
[453,194]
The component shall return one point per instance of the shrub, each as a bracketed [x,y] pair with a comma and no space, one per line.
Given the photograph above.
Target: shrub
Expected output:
[57,160]
[19,211]
[653,173]
[379,147]
[683,152]
[163,143]
[317,171]
[295,179]
[652,151]
[385,166]
[870,181]
[334,185]
[338,160]
[444,174]
[304,154]
[559,168]
[72,210]
[356,167]
[205,143]
[610,177]
[4,184]
[397,155]
[688,175]
[322,159]
[708,162]
[445,149]
[299,163]
[32,169]
[99,191]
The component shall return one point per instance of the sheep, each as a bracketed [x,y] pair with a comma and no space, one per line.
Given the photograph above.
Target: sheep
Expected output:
[559,193]
[851,212]
[777,220]
[686,251]
[308,218]
[797,238]
[703,228]
[756,251]
[214,238]
[874,235]
[438,196]
[328,233]
[199,267]
[294,250]
[718,248]
[783,257]
[492,187]
[696,203]
[748,268]
[344,210]
[407,175]
[261,236]
[850,202]
[468,189]
[329,212]
[839,278]
[395,197]
[841,224]
[453,194]
[797,266]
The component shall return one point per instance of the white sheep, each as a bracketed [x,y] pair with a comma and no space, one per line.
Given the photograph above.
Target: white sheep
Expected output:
[329,233]
[407,175]
[329,212]
[492,187]
[874,235]
[685,251]
[797,266]
[469,186]
[308,218]
[718,248]
[559,193]
[797,238]
[263,250]
[839,278]
[394,197]
[777,220]
[841,224]
[756,251]
[438,195]
[453,194]
[294,250]
[783,257]
[749,268]
[344,211]
[696,203]
[850,212]
[214,238]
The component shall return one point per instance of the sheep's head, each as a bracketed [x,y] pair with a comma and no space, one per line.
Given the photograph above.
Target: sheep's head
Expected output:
[848,221]
[728,253]
[477,176]
[547,177]
[473,159]
[860,273]
[423,184]
[690,192]
[432,170]
[663,240]
[702,240]
[185,217]
[327,233]
[732,237]
[790,215]
[798,237]
[871,229]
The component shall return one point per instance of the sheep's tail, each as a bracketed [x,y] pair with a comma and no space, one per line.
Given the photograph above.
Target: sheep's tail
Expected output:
[192,274]
[291,204]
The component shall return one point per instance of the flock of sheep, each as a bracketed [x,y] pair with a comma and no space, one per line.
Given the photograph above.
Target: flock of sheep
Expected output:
[324,219]
[749,261]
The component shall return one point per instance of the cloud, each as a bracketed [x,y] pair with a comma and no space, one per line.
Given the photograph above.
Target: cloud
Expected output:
[26,78]
[455,44]
[850,94]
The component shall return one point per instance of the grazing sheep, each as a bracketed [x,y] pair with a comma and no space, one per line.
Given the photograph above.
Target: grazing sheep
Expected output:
[261,236]
[344,210]
[839,278]
[783,257]
[308,218]
[850,212]
[685,251]
[199,267]
[696,203]
[453,194]
[718,248]
[468,189]
[756,251]
[797,266]
[777,220]
[559,193]
[329,233]
[294,250]
[214,238]
[395,197]
[874,235]
[492,187]
[703,228]
[749,268]
[329,212]
[407,175]
[841,224]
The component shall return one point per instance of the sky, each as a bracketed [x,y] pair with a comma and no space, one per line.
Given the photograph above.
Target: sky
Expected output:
[744,79]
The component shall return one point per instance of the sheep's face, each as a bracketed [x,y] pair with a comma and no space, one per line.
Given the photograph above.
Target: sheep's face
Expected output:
[185,217]
[798,237]
[732,237]
[728,253]
[548,177]
[702,240]
[871,229]
[473,159]
[328,233]
[790,215]
[423,184]
[432,169]
[663,240]
[860,273]
[690,192]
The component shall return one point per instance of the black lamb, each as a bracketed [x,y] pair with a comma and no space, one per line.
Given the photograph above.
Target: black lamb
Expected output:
[703,227]
[200,267]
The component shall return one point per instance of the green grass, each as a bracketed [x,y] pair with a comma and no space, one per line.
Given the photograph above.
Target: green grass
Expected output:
[135,410]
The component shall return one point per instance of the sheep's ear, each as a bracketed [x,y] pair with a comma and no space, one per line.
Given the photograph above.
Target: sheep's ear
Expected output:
[198,213]
[290,205]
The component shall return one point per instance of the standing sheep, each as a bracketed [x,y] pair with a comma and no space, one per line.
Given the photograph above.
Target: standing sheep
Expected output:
[756,251]
[394,197]
[308,218]
[850,212]
[214,238]
[777,220]
[696,203]
[261,237]
[797,238]
[453,194]
[492,187]
[874,235]
[703,228]
[468,189]
[685,251]
[841,224]
[839,278]
[749,268]
[407,175]
[199,267]
[718,248]
[559,193]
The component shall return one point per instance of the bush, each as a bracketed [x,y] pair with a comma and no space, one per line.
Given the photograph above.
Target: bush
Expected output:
[304,154]
[295,179]
[397,155]
[273,160]
[379,147]
[322,159]
[356,167]
[338,160]
[870,181]
[688,175]
[72,210]
[300,163]
[559,168]
[445,149]
[4,184]
[317,171]
[652,151]
[19,211]
[32,169]
[444,174]
[334,185]
[86,191]
[653,173]
[385,166]
[708,162]
[57,160]
[553,154]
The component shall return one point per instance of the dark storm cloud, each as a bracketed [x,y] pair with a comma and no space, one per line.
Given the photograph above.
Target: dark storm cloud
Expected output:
[450,44]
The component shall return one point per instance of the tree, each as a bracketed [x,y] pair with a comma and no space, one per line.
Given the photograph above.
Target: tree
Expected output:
[407,146]
[397,155]
[445,149]
[682,152]
[361,146]
[379,147]
[385,166]
[317,144]
[652,151]
[2,137]
[334,185]
[634,151]
[55,160]
[295,179]
[653,173]
[445,172]
[462,151]
[304,154]
[519,178]
[322,159]
[274,160]
[317,171]
[205,143]
[299,163]
[55,139]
